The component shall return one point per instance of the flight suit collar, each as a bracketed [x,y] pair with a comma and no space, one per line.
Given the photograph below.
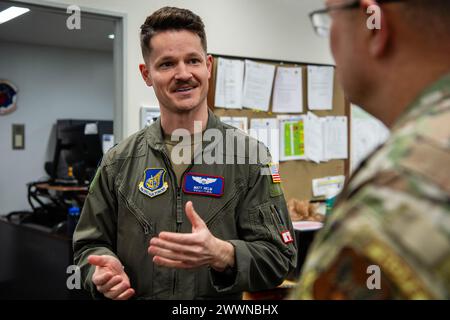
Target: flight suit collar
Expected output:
[155,136]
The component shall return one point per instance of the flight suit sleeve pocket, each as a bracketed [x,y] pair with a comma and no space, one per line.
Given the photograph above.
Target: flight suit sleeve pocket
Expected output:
[267,225]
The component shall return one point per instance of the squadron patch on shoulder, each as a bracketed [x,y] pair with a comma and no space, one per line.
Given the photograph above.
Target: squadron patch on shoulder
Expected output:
[153,184]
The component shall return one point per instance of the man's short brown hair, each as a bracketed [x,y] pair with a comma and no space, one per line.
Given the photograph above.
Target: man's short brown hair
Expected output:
[432,16]
[170,18]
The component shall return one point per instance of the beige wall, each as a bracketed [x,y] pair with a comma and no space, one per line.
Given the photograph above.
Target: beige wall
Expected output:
[270,29]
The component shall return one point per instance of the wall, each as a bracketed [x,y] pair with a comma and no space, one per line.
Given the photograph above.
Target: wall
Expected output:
[53,83]
[270,29]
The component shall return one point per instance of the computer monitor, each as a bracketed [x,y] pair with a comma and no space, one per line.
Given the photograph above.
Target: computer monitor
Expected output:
[79,144]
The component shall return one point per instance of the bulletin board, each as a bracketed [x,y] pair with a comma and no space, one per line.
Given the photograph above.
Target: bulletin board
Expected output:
[297,175]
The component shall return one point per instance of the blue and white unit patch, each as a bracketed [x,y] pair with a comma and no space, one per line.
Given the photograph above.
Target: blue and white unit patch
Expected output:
[196,183]
[153,183]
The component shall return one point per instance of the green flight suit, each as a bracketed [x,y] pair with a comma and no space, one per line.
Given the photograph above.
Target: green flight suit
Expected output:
[119,220]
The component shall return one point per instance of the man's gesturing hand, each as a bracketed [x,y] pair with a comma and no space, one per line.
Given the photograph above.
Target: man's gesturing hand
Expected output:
[191,250]
[109,277]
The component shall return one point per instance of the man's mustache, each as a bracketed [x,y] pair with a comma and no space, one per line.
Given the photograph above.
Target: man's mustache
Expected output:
[184,84]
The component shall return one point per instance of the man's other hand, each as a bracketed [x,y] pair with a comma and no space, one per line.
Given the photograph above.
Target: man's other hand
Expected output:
[109,277]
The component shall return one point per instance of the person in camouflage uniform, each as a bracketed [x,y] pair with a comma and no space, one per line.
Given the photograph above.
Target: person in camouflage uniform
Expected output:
[388,236]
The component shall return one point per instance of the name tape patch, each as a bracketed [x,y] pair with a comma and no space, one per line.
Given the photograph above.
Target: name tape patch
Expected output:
[195,183]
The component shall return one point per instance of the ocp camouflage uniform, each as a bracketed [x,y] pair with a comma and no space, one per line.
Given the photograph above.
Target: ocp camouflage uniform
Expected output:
[393,215]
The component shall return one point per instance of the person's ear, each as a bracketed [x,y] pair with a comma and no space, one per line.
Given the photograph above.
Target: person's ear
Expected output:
[145,74]
[209,64]
[377,27]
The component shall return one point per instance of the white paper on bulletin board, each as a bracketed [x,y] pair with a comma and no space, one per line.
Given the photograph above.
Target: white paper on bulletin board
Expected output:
[288,90]
[320,87]
[258,83]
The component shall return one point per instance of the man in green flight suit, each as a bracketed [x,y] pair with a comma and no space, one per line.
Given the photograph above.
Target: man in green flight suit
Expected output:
[139,234]
[388,236]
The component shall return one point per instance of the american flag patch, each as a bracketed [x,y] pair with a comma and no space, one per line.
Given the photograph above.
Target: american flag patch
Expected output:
[274,173]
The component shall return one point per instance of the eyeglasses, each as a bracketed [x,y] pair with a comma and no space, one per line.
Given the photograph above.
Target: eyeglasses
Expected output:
[321,19]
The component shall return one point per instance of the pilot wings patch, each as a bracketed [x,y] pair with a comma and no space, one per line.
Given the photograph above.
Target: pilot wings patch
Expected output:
[202,180]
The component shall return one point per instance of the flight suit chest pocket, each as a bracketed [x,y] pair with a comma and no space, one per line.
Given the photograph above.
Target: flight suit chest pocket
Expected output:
[267,223]
[131,211]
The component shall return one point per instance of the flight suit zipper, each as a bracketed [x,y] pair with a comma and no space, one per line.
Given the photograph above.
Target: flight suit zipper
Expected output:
[179,209]
[175,206]
[178,204]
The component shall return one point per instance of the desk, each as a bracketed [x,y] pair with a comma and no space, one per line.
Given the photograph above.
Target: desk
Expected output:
[35,250]
[279,293]
[59,195]
[33,263]
[48,186]
[50,204]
